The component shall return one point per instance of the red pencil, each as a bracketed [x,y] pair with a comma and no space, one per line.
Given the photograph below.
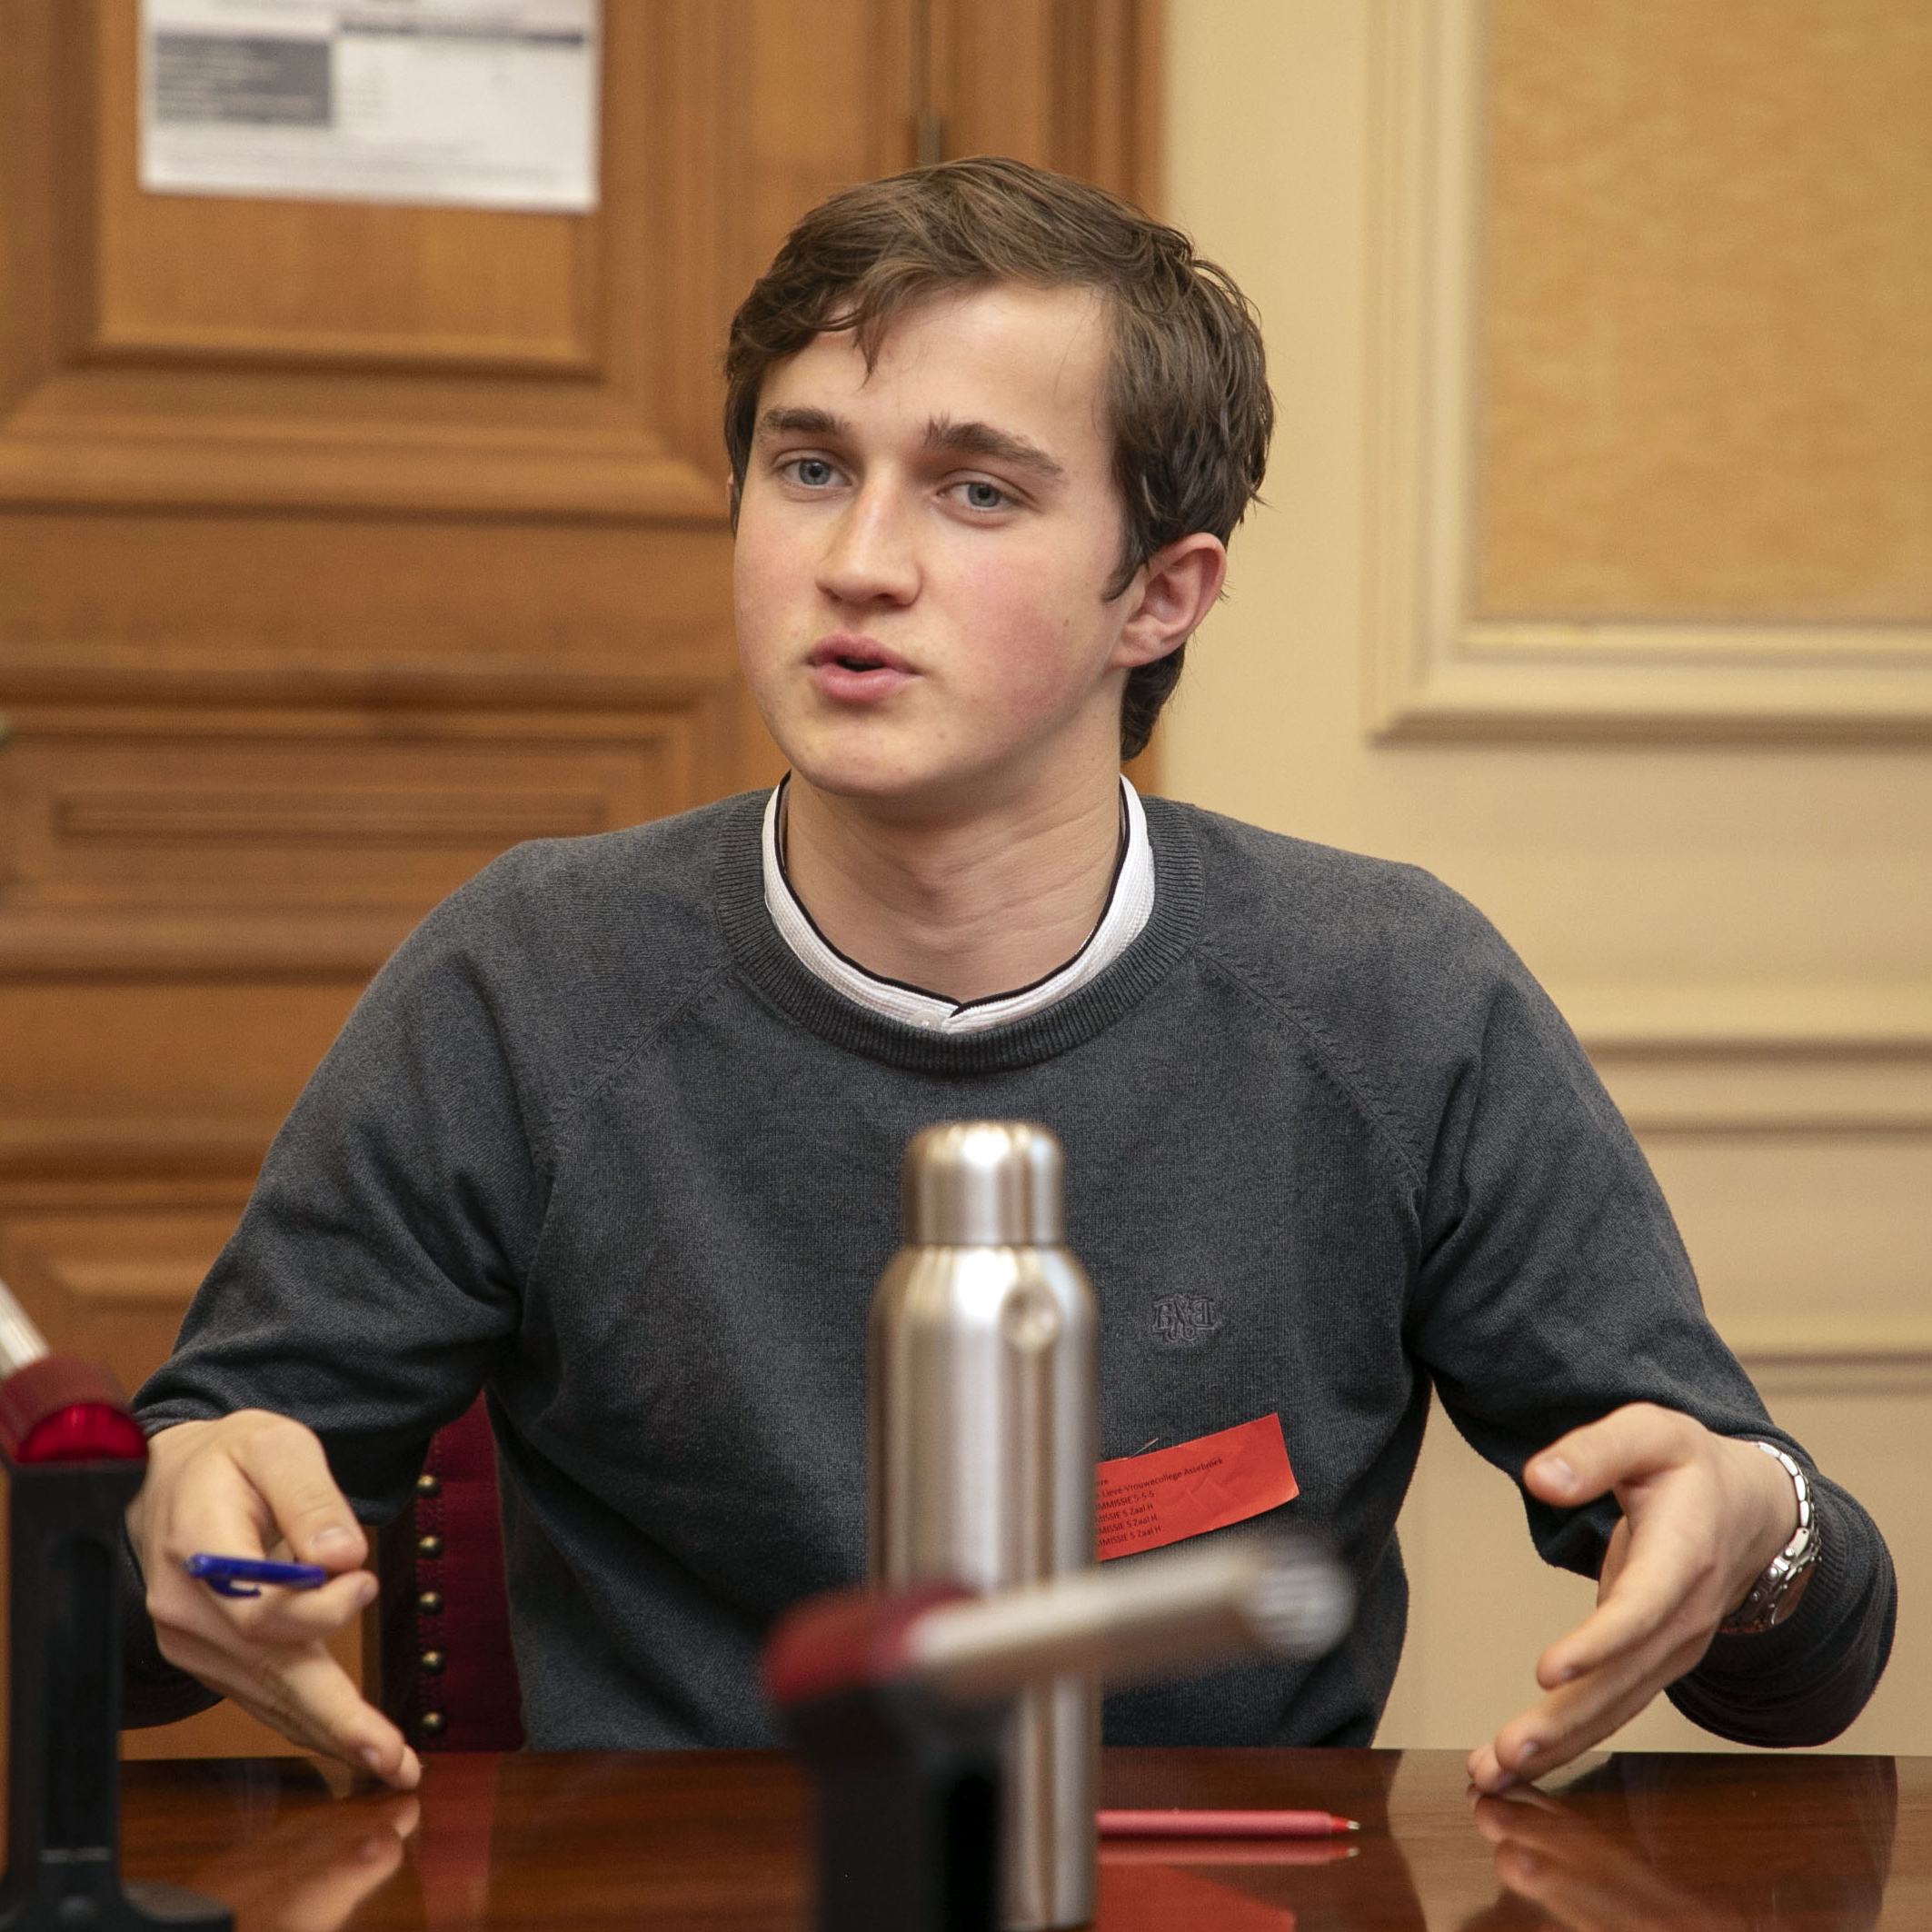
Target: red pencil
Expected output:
[1222,1824]
[1228,1851]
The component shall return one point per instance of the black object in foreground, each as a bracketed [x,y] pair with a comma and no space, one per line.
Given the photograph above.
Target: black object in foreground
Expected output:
[76,1459]
[897,1702]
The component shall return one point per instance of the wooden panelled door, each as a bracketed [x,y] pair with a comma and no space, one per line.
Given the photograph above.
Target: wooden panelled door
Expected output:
[343,547]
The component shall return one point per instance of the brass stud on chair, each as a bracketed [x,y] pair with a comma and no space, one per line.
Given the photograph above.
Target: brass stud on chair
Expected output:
[430,1547]
[433,1723]
[432,1662]
[428,1484]
[430,1604]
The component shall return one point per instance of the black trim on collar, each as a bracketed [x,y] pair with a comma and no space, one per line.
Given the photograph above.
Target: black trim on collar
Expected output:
[926,992]
[770,965]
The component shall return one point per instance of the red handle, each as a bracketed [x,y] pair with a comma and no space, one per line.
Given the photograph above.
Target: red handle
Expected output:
[845,1640]
[66,1408]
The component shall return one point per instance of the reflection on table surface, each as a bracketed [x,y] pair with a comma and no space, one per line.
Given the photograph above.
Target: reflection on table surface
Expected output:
[720,1839]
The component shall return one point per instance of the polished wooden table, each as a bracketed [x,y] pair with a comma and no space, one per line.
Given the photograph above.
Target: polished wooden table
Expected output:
[718,1839]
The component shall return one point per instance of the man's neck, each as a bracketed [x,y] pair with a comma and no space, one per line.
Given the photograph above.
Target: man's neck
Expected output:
[962,907]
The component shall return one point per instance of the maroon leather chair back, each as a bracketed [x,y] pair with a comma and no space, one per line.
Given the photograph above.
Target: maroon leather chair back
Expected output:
[448,1673]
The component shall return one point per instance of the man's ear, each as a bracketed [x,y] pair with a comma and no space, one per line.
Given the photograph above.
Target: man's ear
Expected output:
[1171,592]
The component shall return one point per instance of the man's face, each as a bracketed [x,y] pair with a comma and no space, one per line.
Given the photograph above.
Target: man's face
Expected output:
[923,553]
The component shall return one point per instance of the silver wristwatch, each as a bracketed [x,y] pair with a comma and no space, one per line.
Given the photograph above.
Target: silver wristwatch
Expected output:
[1772,1597]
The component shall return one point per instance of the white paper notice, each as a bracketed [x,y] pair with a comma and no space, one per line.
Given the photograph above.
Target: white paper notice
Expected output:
[479,103]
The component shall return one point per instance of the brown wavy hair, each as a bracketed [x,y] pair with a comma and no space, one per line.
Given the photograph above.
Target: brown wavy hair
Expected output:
[1186,394]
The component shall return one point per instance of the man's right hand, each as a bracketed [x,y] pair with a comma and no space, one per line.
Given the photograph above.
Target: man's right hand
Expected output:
[254,1484]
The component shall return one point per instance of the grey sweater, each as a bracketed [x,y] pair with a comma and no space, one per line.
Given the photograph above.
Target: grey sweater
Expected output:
[595,1140]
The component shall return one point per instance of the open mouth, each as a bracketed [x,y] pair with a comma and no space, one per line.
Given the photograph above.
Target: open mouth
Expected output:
[857,656]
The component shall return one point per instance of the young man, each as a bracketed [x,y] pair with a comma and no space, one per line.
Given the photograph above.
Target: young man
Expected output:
[616,1134]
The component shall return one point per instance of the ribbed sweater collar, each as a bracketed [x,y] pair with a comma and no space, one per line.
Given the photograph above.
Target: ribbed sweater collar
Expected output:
[771,965]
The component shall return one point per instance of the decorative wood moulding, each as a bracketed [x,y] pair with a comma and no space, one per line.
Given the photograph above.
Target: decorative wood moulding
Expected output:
[183,344]
[121,1151]
[1773,1090]
[1757,1102]
[143,837]
[110,1272]
[52,455]
[1436,665]
[117,946]
[1754,1017]
[129,1280]
[652,668]
[228,352]
[1901,1365]
[129,816]
[1760,1058]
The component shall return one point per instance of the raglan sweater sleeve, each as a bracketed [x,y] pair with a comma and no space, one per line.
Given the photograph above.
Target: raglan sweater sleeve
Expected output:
[376,1272]
[1551,1287]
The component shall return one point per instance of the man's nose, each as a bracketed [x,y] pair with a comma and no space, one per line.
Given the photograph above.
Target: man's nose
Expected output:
[871,557]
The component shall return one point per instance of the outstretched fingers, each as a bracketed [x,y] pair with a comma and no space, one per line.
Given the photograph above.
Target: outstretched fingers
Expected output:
[306,1696]
[1666,1579]
[254,1484]
[1656,1599]
[1584,1712]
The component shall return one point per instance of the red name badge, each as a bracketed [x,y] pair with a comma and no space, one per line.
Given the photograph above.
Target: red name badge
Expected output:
[1146,1501]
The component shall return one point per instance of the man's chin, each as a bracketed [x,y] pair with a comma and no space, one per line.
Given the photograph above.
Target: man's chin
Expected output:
[906,775]
[888,790]
[897,789]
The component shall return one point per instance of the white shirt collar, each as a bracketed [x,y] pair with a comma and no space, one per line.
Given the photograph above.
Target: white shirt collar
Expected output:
[1129,904]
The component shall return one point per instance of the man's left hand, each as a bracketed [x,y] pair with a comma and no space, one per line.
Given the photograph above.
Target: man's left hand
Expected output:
[1702,1517]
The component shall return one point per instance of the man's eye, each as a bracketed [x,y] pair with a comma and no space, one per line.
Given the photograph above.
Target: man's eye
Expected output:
[813,471]
[985,497]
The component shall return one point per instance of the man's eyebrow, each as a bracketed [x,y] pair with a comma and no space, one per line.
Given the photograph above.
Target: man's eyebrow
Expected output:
[801,422]
[982,439]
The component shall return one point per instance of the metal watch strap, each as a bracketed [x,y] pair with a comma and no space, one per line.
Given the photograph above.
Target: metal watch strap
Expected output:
[1766,1604]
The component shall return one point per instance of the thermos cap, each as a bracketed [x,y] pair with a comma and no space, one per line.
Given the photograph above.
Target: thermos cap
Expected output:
[984,1184]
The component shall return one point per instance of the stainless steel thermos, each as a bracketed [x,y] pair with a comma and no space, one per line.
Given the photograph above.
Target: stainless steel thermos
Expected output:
[982,1446]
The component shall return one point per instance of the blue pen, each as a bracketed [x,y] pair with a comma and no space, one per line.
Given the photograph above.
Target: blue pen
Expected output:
[229,1576]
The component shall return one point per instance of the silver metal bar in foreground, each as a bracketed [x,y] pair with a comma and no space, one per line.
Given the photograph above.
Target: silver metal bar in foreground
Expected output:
[20,1341]
[1152,1617]
[983,1441]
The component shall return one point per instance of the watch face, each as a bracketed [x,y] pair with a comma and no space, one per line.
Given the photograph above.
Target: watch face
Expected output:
[1789,1593]
[1775,1595]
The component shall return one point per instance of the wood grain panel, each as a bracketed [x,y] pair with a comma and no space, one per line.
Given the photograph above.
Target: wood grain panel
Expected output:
[1708,307]
[312,281]
[184,809]
[444,817]
[235,352]
[392,610]
[822,97]
[1107,95]
[994,77]
[576,354]
[184,1074]
[1072,85]
[109,1282]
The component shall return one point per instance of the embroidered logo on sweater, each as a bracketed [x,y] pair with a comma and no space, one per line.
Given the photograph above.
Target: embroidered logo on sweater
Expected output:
[1182,1320]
